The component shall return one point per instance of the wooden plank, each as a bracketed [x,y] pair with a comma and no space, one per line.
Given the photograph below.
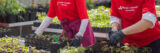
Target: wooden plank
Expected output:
[18,23]
[49,30]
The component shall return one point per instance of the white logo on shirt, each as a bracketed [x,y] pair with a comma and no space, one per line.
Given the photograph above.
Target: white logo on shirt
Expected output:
[63,3]
[132,8]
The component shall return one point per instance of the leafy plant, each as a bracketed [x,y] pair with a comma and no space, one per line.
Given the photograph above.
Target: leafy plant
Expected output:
[90,4]
[4,30]
[99,17]
[10,7]
[42,16]
[13,45]
[72,50]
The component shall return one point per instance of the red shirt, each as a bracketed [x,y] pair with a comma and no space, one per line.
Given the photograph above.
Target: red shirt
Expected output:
[130,12]
[70,9]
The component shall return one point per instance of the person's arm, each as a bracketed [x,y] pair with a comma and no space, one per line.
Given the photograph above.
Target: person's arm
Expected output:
[46,22]
[82,11]
[138,27]
[115,23]
[115,18]
[148,19]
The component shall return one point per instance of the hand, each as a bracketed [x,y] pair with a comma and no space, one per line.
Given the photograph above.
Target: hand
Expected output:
[111,32]
[79,36]
[76,41]
[116,38]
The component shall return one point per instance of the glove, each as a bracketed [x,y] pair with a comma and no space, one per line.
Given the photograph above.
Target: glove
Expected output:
[111,32]
[116,38]
[76,41]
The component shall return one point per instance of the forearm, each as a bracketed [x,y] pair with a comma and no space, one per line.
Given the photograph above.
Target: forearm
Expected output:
[83,26]
[45,23]
[115,23]
[115,26]
[140,26]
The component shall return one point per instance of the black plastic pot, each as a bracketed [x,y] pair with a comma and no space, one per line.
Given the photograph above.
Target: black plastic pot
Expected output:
[55,47]
[102,30]
[32,16]
[4,19]
[12,18]
[21,17]
[158,18]
[1,19]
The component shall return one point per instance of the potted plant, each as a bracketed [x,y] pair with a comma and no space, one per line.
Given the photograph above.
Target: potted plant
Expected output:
[10,9]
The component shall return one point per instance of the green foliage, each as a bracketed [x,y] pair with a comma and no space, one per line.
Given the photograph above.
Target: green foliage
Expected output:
[41,17]
[72,50]
[158,9]
[127,49]
[12,45]
[10,7]
[99,17]
[90,4]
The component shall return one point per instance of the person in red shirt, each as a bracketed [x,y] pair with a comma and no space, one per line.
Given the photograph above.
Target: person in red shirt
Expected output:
[74,21]
[138,21]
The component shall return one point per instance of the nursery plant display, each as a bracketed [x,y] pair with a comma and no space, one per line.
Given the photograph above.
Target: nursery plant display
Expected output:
[72,50]
[4,30]
[13,45]
[126,49]
[90,4]
[42,15]
[102,47]
[10,10]
[99,17]
[40,41]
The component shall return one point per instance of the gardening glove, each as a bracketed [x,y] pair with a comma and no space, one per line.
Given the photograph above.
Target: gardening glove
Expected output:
[116,38]
[78,38]
[111,32]
[45,23]
[76,42]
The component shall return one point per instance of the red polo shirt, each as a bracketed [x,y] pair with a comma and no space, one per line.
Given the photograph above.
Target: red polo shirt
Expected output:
[70,9]
[130,12]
